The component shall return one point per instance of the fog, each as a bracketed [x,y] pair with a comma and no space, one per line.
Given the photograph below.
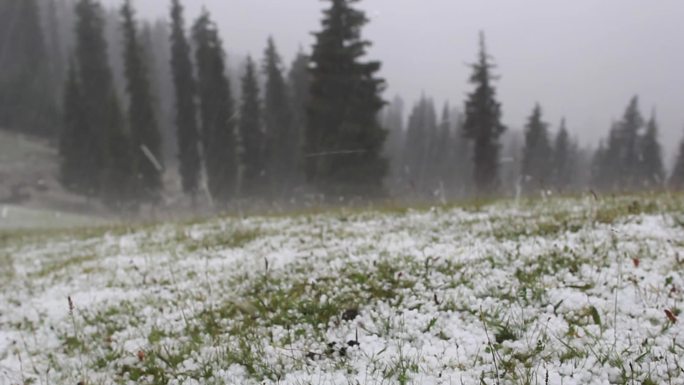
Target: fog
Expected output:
[580,59]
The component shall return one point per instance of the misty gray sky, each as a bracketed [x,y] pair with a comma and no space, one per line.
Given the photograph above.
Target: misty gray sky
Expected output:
[582,59]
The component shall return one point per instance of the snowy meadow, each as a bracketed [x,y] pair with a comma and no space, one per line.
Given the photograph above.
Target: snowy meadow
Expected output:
[563,291]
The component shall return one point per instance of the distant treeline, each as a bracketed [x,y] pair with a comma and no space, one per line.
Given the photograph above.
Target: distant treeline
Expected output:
[127,101]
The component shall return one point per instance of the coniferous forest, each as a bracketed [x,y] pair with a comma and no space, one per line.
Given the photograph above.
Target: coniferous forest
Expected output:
[148,113]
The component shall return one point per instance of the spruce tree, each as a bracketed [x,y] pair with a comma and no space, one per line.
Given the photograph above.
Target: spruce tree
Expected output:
[157,53]
[608,173]
[483,124]
[73,139]
[652,170]
[622,161]
[299,80]
[142,122]
[677,177]
[119,187]
[598,167]
[282,138]
[393,120]
[536,165]
[343,139]
[27,92]
[414,145]
[630,162]
[186,111]
[421,136]
[443,149]
[251,132]
[217,112]
[562,167]
[110,170]
[54,48]
[461,156]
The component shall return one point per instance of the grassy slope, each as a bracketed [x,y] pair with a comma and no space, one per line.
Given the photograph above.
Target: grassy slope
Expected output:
[17,218]
[30,166]
[573,291]
[24,160]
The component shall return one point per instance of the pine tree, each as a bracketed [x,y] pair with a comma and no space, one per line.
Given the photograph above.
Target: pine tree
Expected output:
[119,187]
[608,172]
[27,92]
[57,66]
[110,170]
[461,156]
[622,166]
[142,122]
[393,120]
[156,50]
[483,124]
[443,149]
[251,132]
[536,165]
[630,127]
[186,114]
[343,139]
[562,161]
[652,170]
[299,80]
[677,177]
[217,113]
[419,146]
[282,139]
[73,140]
[598,167]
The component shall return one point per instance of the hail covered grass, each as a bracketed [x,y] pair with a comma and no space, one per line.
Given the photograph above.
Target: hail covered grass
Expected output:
[567,291]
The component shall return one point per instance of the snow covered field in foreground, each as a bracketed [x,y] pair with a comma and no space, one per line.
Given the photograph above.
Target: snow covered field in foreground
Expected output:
[561,292]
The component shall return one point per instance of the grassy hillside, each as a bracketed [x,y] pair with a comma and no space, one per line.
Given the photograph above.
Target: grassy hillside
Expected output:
[29,168]
[25,163]
[571,291]
[16,217]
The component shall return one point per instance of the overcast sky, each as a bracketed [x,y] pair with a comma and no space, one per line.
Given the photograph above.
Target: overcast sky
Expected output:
[582,59]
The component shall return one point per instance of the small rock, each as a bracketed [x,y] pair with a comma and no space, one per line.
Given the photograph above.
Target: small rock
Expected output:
[350,314]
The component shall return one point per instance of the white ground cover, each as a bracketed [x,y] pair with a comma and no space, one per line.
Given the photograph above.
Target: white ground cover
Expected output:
[559,292]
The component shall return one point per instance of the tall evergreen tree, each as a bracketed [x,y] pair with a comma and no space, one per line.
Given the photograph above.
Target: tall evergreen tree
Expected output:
[562,158]
[483,123]
[55,51]
[461,156]
[217,112]
[111,169]
[343,139]
[393,120]
[119,187]
[611,168]
[299,80]
[73,140]
[630,127]
[443,149]
[142,122]
[622,164]
[677,177]
[536,165]
[251,132]
[27,93]
[652,170]
[420,144]
[282,138]
[598,166]
[157,55]
[186,114]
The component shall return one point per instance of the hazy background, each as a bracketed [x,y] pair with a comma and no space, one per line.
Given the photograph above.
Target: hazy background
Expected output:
[582,59]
